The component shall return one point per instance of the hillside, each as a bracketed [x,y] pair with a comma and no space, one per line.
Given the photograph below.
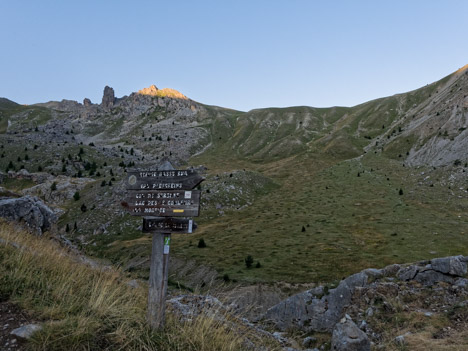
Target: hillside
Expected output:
[313,194]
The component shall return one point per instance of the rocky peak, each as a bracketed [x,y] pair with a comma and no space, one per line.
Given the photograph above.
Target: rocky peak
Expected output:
[166,92]
[152,90]
[87,102]
[108,97]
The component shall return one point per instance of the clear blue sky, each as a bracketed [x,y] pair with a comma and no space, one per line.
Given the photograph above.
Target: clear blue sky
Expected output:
[237,54]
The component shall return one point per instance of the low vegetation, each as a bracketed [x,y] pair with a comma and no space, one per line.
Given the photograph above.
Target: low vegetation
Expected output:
[84,308]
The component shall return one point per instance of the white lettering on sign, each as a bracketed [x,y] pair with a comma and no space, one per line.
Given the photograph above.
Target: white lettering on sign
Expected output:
[151,210]
[163,174]
[167,186]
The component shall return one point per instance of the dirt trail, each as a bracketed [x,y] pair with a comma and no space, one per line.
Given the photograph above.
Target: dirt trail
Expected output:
[11,317]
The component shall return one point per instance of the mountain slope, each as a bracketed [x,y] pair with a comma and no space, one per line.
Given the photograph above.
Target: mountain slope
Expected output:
[312,194]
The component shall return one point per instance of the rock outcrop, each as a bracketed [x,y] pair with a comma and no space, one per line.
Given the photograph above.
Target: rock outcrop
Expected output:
[108,97]
[320,310]
[315,310]
[87,102]
[348,337]
[30,211]
[152,90]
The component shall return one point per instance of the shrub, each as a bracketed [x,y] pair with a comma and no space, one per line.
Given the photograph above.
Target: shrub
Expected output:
[201,243]
[53,186]
[249,261]
[400,192]
[76,196]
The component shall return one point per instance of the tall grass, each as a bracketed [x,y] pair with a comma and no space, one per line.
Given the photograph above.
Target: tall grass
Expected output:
[87,309]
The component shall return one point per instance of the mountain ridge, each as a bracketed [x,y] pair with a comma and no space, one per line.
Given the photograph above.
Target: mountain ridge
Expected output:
[335,170]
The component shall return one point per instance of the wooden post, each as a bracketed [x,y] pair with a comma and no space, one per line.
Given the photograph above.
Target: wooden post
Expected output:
[159,270]
[166,193]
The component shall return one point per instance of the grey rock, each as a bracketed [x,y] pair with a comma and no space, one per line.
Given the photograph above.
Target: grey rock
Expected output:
[87,102]
[363,325]
[430,277]
[108,98]
[307,311]
[373,273]
[400,340]
[461,282]
[133,283]
[408,273]
[26,332]
[29,210]
[391,270]
[453,265]
[309,341]
[348,337]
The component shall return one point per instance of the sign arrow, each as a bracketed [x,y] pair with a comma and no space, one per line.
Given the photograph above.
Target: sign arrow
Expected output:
[163,180]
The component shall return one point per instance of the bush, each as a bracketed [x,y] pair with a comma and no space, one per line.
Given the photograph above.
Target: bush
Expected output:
[201,243]
[76,196]
[53,186]
[400,192]
[258,265]
[249,261]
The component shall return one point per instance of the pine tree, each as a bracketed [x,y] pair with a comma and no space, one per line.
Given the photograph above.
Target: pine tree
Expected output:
[249,261]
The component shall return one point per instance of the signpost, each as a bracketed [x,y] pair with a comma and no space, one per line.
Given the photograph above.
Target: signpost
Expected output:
[165,193]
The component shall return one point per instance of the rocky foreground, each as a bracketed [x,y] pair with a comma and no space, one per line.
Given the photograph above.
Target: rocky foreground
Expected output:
[372,309]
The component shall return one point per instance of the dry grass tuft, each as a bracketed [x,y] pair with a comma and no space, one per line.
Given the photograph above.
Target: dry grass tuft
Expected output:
[88,309]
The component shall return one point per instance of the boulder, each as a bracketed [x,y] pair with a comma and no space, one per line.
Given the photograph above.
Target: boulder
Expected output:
[453,265]
[430,277]
[348,337]
[26,331]
[407,273]
[29,210]
[108,97]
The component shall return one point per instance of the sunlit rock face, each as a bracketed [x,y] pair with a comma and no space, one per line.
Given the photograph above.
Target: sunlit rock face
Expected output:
[166,92]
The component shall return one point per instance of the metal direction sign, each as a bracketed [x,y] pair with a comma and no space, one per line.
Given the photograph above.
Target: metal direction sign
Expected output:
[163,180]
[175,203]
[168,225]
